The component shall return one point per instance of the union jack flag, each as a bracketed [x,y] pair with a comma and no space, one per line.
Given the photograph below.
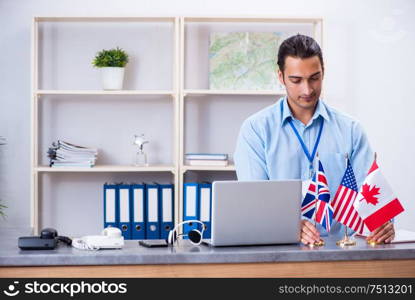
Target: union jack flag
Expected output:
[308,205]
[324,211]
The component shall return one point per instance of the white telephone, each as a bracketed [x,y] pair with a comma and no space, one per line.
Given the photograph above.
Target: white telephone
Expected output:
[110,238]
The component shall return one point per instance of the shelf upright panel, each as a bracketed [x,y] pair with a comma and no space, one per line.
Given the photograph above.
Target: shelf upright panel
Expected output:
[180,173]
[177,118]
[34,180]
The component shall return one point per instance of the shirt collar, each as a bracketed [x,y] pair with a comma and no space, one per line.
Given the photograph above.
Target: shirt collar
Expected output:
[321,110]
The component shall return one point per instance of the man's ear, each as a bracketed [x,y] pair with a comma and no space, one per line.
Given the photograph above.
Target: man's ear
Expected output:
[281,77]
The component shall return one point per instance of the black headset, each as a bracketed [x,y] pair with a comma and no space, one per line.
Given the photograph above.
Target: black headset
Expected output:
[195,236]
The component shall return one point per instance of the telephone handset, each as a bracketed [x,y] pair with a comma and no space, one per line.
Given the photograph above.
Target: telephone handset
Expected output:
[110,238]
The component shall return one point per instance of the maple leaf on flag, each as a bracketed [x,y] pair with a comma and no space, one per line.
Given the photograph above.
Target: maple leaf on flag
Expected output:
[369,194]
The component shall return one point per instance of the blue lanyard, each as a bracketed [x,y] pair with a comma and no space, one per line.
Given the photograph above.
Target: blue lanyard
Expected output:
[310,157]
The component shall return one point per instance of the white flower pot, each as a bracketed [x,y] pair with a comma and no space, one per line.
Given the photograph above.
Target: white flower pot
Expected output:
[112,78]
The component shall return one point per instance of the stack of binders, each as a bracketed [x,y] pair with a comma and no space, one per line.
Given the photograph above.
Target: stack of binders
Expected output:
[197,204]
[140,211]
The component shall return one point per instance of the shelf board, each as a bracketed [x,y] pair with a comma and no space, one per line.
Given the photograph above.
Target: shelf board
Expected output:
[108,168]
[104,19]
[234,92]
[208,168]
[259,19]
[102,92]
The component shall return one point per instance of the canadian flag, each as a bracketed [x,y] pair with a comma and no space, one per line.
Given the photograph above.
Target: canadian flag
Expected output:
[376,204]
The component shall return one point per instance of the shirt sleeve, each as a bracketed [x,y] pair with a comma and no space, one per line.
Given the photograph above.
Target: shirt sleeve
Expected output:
[362,154]
[249,154]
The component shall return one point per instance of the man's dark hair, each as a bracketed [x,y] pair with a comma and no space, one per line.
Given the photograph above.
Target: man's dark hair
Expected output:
[301,46]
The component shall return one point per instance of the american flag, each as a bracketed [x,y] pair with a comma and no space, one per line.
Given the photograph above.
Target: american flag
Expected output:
[324,210]
[309,202]
[344,211]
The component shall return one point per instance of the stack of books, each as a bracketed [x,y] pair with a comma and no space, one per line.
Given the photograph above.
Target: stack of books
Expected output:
[207,159]
[64,154]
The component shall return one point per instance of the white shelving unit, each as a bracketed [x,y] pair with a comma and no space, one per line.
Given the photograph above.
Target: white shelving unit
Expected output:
[38,95]
[180,93]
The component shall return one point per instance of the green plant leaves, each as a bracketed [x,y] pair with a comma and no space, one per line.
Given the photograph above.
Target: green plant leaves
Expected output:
[2,207]
[111,58]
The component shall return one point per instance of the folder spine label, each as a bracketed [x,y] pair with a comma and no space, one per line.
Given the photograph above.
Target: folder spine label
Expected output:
[138,228]
[152,201]
[110,205]
[124,211]
[167,209]
[190,205]
[205,196]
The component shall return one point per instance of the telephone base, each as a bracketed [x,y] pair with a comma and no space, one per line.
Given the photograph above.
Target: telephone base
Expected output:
[36,243]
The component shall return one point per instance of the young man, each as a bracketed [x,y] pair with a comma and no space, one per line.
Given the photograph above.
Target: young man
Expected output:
[278,141]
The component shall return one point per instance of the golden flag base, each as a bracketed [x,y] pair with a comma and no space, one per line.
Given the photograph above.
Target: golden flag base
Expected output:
[320,243]
[374,243]
[346,241]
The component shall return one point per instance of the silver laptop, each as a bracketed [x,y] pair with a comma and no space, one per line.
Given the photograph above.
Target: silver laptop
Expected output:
[255,212]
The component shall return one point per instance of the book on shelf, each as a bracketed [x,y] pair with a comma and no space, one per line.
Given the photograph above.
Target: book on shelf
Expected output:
[207,162]
[64,154]
[206,156]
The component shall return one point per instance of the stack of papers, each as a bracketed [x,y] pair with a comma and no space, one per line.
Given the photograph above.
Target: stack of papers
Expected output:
[401,236]
[64,154]
[404,236]
[207,159]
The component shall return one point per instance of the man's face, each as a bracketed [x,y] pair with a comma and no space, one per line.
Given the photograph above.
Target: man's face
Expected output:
[303,79]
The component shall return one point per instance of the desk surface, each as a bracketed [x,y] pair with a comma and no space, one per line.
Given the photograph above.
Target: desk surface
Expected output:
[185,253]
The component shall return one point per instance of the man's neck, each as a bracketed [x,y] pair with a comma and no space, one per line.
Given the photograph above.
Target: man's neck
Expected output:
[302,114]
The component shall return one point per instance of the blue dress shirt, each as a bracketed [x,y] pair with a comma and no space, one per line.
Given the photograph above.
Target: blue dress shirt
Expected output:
[268,149]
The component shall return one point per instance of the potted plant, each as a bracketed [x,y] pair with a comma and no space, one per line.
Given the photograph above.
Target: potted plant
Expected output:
[112,64]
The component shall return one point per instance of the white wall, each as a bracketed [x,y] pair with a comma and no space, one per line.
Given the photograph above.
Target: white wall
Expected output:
[369,51]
